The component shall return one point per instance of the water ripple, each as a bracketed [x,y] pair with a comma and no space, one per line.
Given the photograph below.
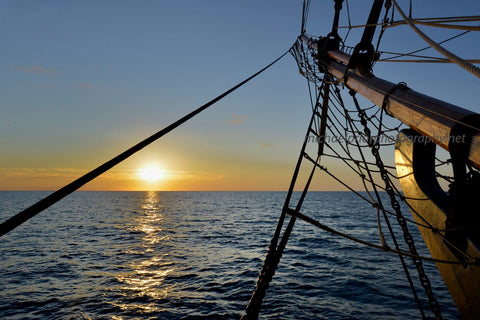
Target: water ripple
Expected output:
[195,255]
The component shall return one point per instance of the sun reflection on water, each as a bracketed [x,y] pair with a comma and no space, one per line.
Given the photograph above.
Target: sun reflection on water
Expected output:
[143,282]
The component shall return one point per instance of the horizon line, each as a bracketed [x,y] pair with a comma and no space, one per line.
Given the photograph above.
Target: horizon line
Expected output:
[183,191]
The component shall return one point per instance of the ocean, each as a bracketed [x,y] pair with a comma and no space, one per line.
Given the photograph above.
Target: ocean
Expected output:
[196,255]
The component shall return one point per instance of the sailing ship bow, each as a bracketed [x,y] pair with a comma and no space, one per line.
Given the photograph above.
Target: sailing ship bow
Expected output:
[452,217]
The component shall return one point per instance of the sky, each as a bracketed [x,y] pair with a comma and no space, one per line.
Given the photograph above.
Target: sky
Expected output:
[84,80]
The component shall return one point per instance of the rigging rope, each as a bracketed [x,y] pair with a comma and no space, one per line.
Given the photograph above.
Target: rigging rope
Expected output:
[426,48]
[324,227]
[374,146]
[48,201]
[274,252]
[378,204]
[436,60]
[342,125]
[349,22]
[388,5]
[416,104]
[434,22]
[306,8]
[456,59]
[447,26]
[311,59]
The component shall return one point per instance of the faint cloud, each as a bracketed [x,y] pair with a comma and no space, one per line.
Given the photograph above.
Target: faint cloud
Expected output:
[236,119]
[46,85]
[85,85]
[55,177]
[36,70]
[40,173]
[200,176]
[264,144]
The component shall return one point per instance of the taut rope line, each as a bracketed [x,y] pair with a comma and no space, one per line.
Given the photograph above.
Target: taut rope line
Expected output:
[53,198]
[454,58]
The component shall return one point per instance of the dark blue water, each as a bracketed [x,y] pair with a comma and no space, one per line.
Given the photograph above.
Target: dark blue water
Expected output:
[196,255]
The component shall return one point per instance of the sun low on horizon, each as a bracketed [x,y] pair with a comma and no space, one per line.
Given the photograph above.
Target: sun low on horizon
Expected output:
[152,175]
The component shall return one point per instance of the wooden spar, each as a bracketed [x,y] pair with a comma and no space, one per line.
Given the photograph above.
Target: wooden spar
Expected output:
[426,115]
[452,227]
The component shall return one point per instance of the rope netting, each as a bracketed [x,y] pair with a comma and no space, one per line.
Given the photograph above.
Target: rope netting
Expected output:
[348,134]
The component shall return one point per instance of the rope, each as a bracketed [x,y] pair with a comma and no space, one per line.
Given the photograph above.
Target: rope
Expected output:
[459,61]
[378,204]
[373,144]
[343,126]
[306,8]
[274,252]
[447,26]
[53,198]
[410,102]
[428,60]
[451,19]
[388,5]
[324,227]
[438,21]
[422,49]
[349,23]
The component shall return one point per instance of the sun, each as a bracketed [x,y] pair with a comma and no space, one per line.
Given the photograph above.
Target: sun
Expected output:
[151,173]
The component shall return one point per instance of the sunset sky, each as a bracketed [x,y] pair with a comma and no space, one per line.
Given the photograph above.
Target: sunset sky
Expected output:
[84,80]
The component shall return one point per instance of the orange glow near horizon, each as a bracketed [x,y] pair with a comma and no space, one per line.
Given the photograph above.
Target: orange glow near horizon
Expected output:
[149,174]
[149,178]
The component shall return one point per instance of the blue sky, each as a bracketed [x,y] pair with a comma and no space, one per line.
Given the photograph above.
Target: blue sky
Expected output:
[84,80]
